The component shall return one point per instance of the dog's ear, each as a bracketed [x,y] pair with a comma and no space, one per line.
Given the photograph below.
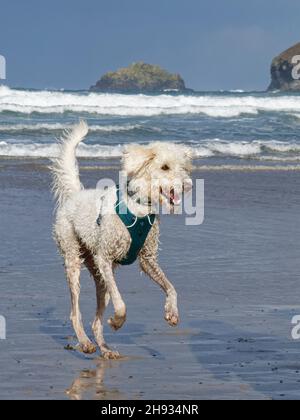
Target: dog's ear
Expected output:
[136,158]
[189,155]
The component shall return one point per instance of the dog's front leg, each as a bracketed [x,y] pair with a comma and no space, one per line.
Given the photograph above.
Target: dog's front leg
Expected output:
[106,271]
[150,266]
[153,270]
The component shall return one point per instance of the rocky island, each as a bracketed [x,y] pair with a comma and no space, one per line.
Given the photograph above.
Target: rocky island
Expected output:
[284,71]
[140,78]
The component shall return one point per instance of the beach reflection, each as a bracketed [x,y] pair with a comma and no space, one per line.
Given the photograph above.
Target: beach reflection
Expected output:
[90,384]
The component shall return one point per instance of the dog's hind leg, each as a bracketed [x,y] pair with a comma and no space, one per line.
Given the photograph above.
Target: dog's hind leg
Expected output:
[102,302]
[70,250]
[106,270]
[73,265]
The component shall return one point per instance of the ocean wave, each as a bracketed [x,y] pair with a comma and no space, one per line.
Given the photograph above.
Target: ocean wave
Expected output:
[295,115]
[237,91]
[280,147]
[49,128]
[238,149]
[38,150]
[248,149]
[226,106]
[271,150]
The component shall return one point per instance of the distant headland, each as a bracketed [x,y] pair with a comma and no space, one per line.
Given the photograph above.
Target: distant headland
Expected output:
[285,70]
[140,78]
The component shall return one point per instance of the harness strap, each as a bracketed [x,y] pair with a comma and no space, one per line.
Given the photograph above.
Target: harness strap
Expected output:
[138,228]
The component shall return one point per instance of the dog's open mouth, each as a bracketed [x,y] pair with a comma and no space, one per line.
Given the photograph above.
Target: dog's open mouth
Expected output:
[172,197]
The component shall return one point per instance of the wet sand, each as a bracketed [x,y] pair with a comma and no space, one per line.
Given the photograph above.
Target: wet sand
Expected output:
[237,276]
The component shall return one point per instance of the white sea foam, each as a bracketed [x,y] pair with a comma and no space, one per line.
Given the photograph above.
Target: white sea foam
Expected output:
[254,148]
[38,150]
[294,115]
[235,149]
[44,127]
[280,147]
[271,150]
[227,106]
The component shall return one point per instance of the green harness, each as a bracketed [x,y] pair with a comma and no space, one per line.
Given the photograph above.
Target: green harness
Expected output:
[138,228]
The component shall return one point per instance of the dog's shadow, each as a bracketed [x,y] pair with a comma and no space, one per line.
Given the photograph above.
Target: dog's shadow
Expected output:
[62,333]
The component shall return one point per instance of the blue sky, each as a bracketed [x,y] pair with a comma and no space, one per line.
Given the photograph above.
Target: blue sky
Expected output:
[213,44]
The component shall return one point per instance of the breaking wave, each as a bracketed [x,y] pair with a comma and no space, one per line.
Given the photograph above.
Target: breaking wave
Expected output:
[38,150]
[226,106]
[272,150]
[49,128]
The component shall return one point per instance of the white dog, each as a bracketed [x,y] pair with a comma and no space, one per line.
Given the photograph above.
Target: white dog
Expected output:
[89,229]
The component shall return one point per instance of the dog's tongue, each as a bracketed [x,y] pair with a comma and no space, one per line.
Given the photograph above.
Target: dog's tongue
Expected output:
[175,198]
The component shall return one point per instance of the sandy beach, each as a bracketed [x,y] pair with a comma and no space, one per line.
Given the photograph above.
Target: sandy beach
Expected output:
[237,277]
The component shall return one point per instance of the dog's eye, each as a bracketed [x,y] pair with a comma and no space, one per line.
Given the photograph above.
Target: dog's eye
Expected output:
[165,167]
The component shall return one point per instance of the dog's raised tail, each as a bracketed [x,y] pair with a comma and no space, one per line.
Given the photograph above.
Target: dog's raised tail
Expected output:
[64,168]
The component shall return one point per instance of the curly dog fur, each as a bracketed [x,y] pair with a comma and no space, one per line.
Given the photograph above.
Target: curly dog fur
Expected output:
[82,241]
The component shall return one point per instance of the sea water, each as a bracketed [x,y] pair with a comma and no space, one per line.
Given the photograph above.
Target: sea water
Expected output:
[221,127]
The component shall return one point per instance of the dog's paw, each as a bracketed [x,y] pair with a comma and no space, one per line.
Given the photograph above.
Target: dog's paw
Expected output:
[110,355]
[88,348]
[171,316]
[117,322]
